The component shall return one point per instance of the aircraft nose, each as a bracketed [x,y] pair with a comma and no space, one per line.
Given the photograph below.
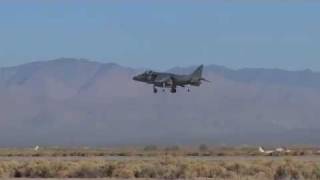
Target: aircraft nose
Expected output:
[138,77]
[135,78]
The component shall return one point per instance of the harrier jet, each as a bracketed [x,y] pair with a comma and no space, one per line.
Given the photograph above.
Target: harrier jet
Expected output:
[170,80]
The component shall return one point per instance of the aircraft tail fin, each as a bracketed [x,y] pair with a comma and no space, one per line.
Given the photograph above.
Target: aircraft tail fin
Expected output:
[261,149]
[197,74]
[196,77]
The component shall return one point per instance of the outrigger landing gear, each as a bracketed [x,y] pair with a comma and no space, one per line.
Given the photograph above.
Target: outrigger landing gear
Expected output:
[163,87]
[173,88]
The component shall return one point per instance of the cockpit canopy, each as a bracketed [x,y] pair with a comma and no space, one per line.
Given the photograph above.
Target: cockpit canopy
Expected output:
[148,73]
[146,76]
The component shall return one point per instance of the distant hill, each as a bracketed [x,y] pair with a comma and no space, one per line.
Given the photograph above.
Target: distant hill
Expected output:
[80,102]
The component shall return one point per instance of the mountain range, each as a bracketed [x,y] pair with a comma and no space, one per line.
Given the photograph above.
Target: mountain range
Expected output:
[75,102]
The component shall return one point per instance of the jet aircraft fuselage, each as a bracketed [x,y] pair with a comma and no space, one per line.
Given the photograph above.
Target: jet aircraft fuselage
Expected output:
[171,80]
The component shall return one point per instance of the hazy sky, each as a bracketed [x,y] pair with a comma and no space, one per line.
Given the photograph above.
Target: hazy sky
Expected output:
[162,34]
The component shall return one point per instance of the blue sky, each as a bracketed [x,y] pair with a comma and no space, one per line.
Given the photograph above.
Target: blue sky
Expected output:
[162,34]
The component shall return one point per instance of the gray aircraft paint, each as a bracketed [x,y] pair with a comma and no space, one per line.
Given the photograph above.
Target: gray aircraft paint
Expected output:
[171,80]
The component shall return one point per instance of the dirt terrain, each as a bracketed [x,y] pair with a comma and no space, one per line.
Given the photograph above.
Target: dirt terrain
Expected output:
[166,167]
[152,162]
[311,158]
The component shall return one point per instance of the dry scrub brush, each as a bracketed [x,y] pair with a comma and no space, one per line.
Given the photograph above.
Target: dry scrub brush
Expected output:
[149,150]
[164,168]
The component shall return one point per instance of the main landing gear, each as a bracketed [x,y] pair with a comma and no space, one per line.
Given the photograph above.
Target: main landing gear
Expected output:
[173,90]
[155,90]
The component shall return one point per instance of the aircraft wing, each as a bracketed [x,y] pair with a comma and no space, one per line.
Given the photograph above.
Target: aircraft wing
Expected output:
[163,79]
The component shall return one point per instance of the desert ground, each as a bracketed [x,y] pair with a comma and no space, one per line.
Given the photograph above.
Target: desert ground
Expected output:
[152,162]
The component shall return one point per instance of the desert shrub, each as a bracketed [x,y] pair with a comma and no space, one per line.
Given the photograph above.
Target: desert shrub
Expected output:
[123,171]
[167,167]
[305,169]
[186,170]
[201,170]
[172,148]
[147,171]
[136,168]
[124,154]
[258,168]
[37,169]
[100,154]
[203,147]
[286,171]
[168,171]
[7,169]
[193,154]
[107,169]
[281,173]
[36,155]
[150,148]
[217,171]
[61,169]
[221,154]
[88,169]
[238,168]
[2,172]
[172,168]
[316,172]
